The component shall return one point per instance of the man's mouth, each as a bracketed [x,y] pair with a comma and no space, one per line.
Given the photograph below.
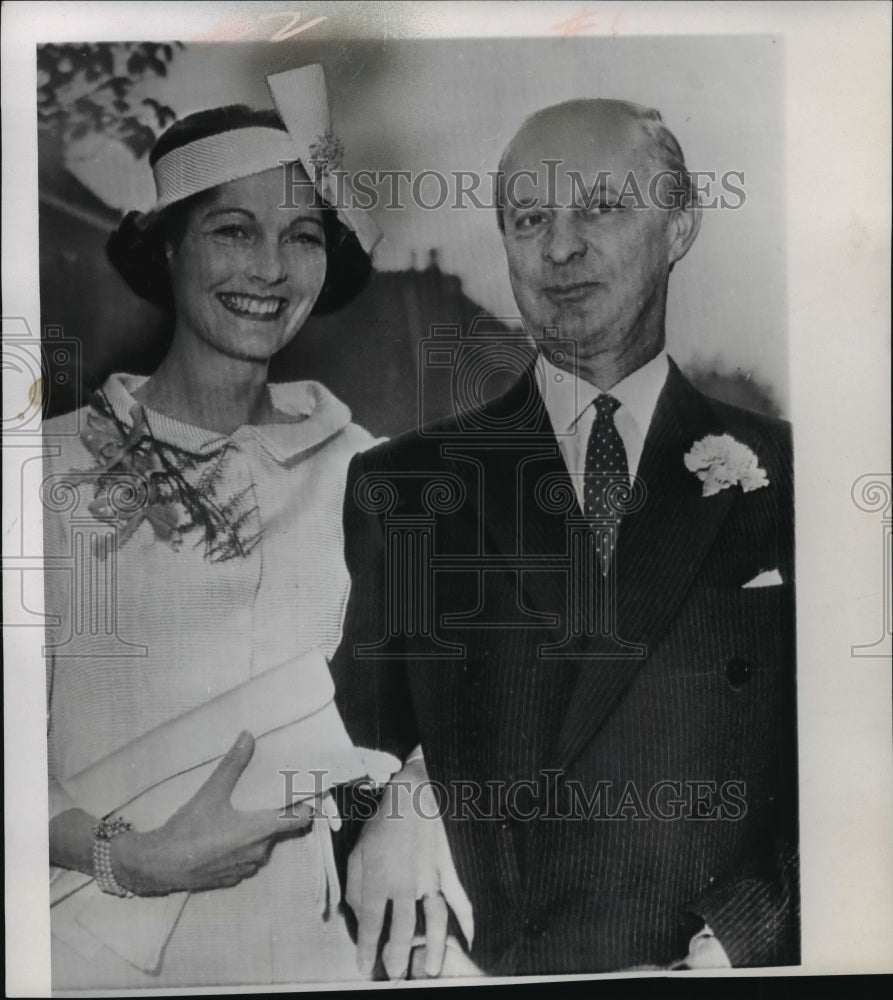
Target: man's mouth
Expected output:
[571,291]
[262,307]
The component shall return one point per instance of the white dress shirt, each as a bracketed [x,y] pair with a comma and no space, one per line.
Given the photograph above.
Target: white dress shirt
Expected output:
[569,403]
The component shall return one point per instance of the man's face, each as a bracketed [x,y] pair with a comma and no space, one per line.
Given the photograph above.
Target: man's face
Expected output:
[598,274]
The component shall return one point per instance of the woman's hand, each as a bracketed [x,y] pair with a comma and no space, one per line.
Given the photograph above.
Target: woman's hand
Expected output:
[206,844]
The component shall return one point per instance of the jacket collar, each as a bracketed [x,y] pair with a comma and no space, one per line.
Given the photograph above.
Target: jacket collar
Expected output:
[310,415]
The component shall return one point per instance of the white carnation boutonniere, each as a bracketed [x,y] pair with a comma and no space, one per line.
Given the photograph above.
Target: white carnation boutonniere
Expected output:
[720,461]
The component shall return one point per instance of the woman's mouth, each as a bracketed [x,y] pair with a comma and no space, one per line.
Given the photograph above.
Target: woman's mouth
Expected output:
[261,307]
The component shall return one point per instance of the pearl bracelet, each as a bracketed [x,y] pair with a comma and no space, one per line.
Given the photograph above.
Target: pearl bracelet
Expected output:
[103,834]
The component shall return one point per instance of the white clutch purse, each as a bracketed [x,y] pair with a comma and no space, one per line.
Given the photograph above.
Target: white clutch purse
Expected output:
[301,750]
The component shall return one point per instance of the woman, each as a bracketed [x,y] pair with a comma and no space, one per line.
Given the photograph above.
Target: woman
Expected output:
[205,505]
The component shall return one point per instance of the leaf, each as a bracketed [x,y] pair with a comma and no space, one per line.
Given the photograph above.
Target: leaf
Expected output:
[140,140]
[163,519]
[79,56]
[107,58]
[130,525]
[119,85]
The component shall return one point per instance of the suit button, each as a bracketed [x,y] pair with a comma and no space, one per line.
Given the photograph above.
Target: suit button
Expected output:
[738,671]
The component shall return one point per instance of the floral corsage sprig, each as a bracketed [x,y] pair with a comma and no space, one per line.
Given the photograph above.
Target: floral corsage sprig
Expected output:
[143,479]
[720,461]
[327,153]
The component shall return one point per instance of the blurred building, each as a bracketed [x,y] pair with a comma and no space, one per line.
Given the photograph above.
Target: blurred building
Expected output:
[370,353]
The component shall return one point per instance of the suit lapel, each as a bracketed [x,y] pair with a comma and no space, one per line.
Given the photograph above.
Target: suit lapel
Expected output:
[518,519]
[659,552]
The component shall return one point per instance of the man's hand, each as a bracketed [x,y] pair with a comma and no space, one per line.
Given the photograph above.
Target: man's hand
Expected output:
[403,856]
[704,952]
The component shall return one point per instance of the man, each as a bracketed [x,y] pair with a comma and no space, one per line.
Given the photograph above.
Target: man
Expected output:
[594,666]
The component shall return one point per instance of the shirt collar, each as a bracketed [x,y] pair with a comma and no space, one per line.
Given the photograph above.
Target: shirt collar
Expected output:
[566,395]
[310,415]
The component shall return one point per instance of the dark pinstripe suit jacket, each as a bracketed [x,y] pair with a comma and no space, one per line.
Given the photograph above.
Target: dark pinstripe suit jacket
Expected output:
[600,807]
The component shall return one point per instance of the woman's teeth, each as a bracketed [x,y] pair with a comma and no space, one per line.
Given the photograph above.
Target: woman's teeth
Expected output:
[251,305]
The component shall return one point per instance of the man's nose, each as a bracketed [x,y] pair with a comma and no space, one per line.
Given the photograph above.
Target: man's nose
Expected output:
[267,264]
[565,242]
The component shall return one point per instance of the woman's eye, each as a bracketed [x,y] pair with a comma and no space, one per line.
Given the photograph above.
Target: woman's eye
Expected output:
[305,238]
[232,231]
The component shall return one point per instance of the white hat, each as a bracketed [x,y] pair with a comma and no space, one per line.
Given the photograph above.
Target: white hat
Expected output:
[302,103]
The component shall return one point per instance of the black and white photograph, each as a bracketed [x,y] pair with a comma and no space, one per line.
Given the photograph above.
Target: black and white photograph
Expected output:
[418,497]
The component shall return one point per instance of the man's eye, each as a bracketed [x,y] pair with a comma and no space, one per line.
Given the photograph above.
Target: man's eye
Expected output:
[602,208]
[532,220]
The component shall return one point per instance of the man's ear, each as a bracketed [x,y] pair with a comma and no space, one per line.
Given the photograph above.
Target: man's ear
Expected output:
[684,225]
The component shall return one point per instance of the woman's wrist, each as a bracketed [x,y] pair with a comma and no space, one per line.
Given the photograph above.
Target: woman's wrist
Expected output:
[71,840]
[72,843]
[132,866]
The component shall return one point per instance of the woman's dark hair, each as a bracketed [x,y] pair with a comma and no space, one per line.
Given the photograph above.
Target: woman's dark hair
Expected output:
[137,248]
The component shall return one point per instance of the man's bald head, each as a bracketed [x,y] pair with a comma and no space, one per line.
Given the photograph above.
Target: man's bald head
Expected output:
[594,217]
[578,129]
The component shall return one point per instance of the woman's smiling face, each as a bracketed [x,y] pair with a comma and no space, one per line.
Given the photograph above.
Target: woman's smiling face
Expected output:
[249,267]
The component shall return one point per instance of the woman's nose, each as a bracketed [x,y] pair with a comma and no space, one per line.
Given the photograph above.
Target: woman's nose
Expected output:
[565,241]
[267,263]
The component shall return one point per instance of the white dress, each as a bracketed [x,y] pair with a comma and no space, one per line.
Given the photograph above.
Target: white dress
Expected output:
[151,631]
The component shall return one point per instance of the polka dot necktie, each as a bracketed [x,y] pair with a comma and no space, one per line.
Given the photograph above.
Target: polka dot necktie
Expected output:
[606,465]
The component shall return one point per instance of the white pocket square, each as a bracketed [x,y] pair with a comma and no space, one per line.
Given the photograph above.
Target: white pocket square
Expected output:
[768,578]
